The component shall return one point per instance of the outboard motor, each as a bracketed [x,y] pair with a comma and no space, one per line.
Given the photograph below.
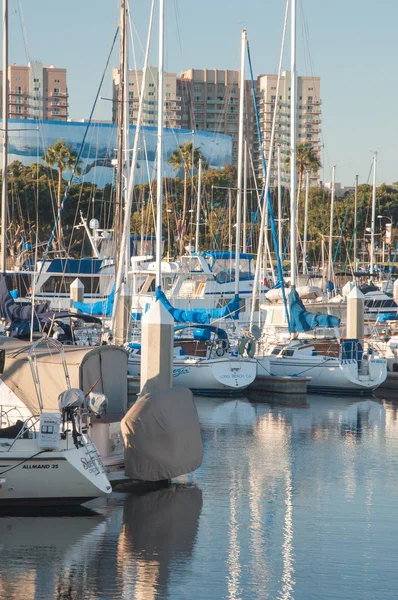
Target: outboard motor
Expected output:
[70,402]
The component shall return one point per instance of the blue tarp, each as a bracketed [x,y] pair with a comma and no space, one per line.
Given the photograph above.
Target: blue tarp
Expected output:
[390,316]
[101,307]
[301,320]
[201,316]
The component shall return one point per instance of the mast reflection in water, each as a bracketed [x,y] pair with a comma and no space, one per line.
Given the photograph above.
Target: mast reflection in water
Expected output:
[291,503]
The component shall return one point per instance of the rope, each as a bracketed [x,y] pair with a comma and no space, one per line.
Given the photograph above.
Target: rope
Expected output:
[270,213]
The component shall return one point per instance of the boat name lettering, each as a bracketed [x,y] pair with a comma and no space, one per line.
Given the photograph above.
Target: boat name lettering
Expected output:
[177,372]
[40,466]
[88,465]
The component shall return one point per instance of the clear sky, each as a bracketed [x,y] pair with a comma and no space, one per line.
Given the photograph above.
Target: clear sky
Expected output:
[351,44]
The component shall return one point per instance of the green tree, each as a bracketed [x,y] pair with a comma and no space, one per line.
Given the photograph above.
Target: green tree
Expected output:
[186,157]
[307,159]
[61,156]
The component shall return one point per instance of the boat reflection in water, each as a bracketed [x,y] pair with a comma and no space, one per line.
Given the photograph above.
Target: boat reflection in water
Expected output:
[299,503]
[127,550]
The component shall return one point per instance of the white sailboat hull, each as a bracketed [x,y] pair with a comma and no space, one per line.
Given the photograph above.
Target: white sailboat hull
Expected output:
[223,375]
[30,476]
[328,374]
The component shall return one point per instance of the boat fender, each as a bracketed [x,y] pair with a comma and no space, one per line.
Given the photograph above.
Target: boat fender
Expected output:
[247,345]
[251,348]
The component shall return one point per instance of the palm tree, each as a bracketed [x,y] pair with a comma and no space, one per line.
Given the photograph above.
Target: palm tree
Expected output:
[61,156]
[307,159]
[185,156]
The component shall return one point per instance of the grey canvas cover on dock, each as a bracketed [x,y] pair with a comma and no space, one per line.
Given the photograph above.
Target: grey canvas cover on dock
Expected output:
[161,435]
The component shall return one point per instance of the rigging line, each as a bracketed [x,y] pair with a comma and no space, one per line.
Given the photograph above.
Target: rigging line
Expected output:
[77,158]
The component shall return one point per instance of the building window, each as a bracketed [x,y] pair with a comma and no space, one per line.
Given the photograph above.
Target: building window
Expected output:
[151,85]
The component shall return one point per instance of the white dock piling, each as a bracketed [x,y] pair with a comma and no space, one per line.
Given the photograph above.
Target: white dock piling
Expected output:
[76,291]
[157,341]
[395,292]
[355,314]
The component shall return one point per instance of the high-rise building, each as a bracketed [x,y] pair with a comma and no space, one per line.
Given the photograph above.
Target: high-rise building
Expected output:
[172,103]
[308,118]
[210,102]
[37,92]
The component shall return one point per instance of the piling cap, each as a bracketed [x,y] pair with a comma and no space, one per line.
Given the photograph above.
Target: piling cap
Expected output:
[77,284]
[158,315]
[355,294]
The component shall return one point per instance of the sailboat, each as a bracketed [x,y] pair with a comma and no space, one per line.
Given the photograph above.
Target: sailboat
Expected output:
[332,365]
[46,455]
[209,364]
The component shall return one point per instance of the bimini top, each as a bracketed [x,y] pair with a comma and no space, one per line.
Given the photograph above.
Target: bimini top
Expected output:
[221,333]
[100,369]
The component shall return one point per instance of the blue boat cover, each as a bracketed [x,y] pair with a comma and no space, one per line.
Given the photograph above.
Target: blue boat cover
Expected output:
[301,320]
[101,307]
[201,316]
[383,317]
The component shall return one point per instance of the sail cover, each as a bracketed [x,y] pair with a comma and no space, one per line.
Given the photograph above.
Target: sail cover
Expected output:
[11,311]
[301,320]
[101,307]
[202,316]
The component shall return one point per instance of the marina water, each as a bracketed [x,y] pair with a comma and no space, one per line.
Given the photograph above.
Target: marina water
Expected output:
[292,501]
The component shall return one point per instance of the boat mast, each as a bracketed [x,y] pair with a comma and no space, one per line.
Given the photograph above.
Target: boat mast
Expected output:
[355,220]
[118,216]
[244,241]
[330,264]
[159,186]
[240,159]
[372,237]
[4,195]
[307,191]
[198,206]
[280,248]
[293,147]
[124,264]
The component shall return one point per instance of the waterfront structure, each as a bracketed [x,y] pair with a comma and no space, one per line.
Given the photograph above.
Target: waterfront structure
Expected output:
[37,92]
[208,100]
[172,101]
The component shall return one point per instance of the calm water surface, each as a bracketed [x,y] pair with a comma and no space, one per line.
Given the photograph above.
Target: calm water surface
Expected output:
[292,502]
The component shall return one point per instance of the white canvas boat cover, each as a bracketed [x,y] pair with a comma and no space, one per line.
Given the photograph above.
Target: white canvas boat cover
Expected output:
[161,435]
[101,369]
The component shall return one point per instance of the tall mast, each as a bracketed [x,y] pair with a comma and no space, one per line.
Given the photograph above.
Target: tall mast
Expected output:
[355,220]
[307,191]
[122,271]
[159,187]
[240,159]
[372,237]
[244,241]
[280,248]
[293,143]
[330,264]
[118,217]
[126,129]
[198,206]
[4,195]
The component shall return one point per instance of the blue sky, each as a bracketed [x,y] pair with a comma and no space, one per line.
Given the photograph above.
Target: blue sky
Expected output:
[351,44]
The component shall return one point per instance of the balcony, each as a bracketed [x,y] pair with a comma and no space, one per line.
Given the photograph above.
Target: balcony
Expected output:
[59,94]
